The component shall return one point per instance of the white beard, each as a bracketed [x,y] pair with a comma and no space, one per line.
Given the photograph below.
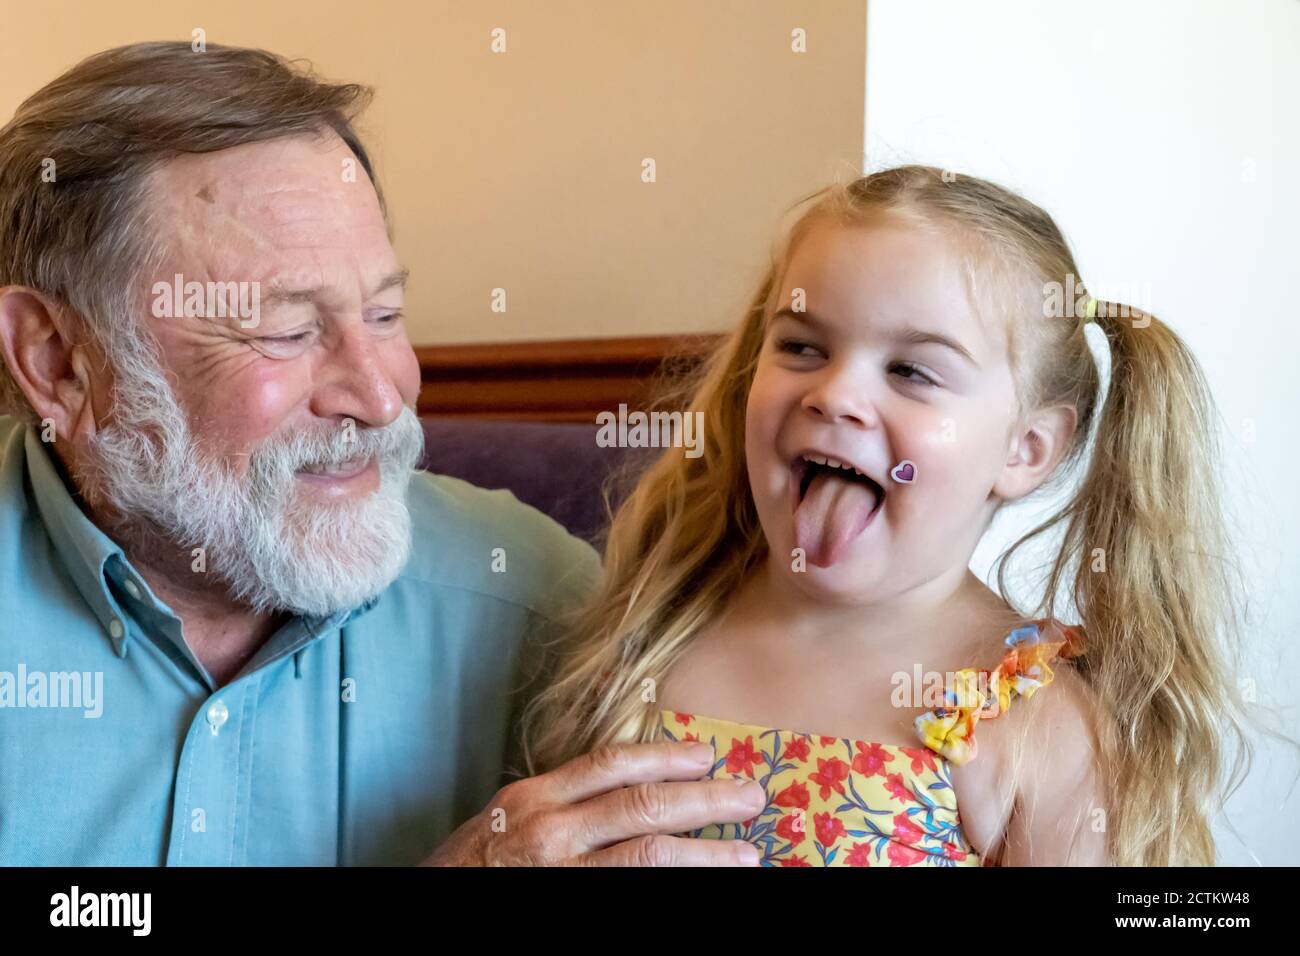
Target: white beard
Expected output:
[272,549]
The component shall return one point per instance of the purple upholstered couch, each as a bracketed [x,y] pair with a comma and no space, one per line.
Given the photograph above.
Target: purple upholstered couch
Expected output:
[557,468]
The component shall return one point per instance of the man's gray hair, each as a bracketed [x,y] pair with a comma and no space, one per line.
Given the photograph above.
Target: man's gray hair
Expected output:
[75,163]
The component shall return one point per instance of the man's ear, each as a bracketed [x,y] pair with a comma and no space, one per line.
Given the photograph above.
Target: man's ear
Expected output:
[1037,445]
[52,369]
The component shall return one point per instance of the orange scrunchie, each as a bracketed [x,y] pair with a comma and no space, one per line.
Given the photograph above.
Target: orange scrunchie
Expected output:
[950,730]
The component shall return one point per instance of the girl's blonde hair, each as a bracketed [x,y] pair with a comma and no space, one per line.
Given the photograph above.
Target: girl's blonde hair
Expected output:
[1160,621]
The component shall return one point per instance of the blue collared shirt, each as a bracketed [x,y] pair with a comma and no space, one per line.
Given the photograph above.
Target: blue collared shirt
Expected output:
[362,738]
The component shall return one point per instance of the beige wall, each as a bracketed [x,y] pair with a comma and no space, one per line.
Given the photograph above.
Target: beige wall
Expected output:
[522,170]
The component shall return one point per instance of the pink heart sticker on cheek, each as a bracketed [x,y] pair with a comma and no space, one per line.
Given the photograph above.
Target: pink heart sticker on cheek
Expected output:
[904,472]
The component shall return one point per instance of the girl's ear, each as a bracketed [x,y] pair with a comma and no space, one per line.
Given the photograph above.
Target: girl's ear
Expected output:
[1036,447]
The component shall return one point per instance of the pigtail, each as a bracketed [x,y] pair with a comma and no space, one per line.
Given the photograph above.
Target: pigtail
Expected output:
[1148,554]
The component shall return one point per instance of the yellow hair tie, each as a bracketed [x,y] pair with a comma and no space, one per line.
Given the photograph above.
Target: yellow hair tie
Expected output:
[1091,311]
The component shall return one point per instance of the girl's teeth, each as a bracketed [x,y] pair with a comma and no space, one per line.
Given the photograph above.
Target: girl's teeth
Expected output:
[834,463]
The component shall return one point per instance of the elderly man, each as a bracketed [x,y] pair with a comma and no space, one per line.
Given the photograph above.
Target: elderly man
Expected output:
[238,626]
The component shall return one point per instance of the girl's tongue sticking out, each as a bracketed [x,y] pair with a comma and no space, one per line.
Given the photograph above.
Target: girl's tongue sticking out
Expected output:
[835,506]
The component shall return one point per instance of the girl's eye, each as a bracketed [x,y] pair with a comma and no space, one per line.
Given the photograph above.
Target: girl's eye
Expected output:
[794,347]
[920,377]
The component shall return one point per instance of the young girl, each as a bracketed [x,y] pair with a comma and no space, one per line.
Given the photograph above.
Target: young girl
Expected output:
[800,596]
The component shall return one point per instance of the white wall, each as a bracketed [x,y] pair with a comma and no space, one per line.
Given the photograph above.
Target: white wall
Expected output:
[1164,139]
[521,170]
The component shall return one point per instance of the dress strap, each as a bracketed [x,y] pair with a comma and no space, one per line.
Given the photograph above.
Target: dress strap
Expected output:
[976,694]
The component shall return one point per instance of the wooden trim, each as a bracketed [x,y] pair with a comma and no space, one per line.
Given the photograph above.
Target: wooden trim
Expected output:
[567,380]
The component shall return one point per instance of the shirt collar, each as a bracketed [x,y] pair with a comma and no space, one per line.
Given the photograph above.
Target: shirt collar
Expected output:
[83,548]
[93,559]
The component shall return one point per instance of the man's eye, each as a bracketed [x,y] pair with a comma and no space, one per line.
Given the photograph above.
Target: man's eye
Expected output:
[285,345]
[388,318]
[914,374]
[294,339]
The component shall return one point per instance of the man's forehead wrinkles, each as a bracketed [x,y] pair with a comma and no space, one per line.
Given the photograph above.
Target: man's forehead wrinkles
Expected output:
[210,224]
[236,199]
[292,287]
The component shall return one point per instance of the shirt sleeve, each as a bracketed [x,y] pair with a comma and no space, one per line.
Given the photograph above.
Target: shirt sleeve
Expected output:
[577,576]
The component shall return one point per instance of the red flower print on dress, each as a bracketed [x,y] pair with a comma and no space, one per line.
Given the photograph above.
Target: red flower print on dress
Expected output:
[860,855]
[900,855]
[797,749]
[792,828]
[897,789]
[855,777]
[829,829]
[906,830]
[922,759]
[689,737]
[795,795]
[871,760]
[830,775]
[741,757]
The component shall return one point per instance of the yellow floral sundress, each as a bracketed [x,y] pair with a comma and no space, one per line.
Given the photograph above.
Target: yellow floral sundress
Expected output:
[834,801]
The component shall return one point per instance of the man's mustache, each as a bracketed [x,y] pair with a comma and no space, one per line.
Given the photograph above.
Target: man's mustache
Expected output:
[279,458]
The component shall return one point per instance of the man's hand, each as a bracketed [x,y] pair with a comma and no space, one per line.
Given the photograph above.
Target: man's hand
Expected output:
[616,806]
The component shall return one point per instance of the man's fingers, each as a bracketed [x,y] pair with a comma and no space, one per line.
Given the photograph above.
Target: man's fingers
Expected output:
[620,765]
[663,808]
[624,792]
[674,851]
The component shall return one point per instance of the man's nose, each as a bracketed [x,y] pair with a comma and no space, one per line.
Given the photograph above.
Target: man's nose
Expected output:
[842,394]
[355,383]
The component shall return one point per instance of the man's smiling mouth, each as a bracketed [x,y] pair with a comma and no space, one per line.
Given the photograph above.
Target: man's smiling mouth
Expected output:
[337,471]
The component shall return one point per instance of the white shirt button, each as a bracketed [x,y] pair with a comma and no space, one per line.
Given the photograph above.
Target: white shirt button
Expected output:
[132,589]
[218,714]
[115,629]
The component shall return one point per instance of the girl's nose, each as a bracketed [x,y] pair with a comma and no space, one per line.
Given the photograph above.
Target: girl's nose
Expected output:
[838,397]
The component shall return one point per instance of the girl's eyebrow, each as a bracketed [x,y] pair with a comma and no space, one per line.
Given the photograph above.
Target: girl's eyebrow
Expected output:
[915,336]
[909,334]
